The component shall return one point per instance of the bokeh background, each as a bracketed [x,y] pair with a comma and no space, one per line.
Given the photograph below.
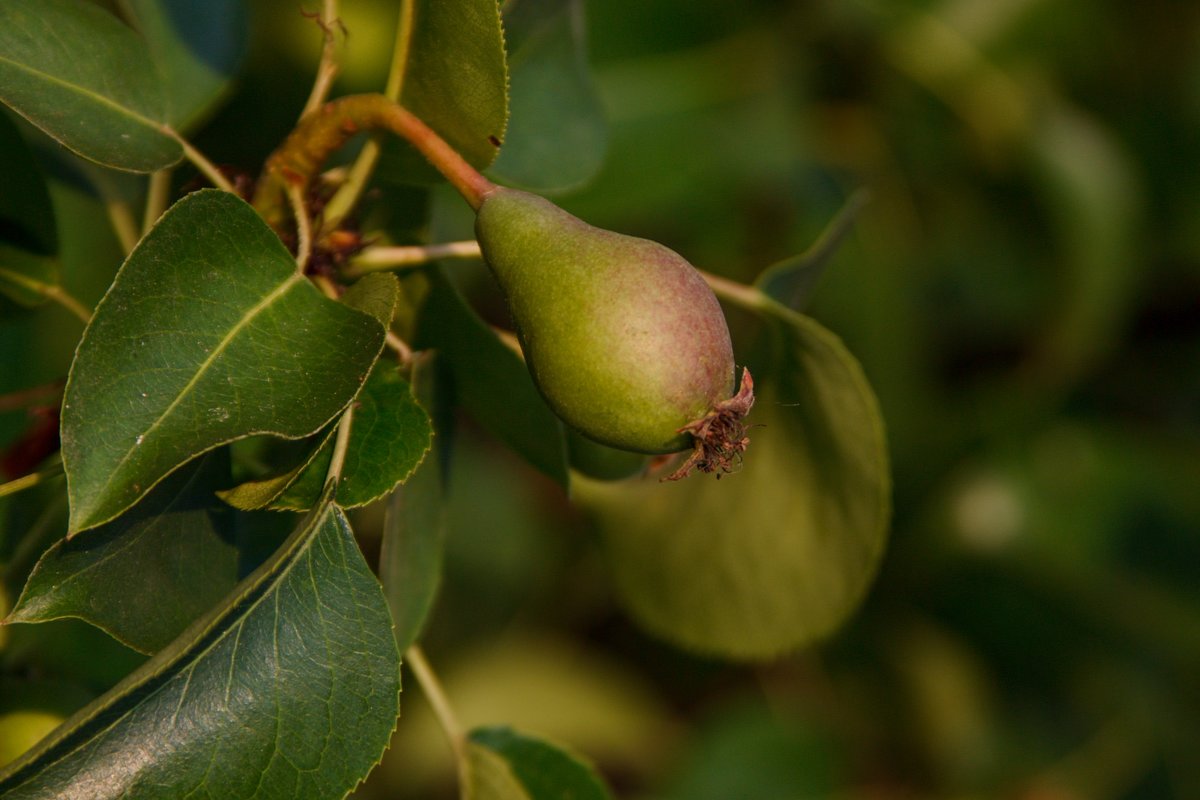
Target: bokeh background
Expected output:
[1022,288]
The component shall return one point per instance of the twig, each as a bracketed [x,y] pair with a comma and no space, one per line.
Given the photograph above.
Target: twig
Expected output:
[121,217]
[201,163]
[157,194]
[328,68]
[295,196]
[50,291]
[740,293]
[28,481]
[348,195]
[67,301]
[321,133]
[380,259]
[441,708]
[338,460]
[403,352]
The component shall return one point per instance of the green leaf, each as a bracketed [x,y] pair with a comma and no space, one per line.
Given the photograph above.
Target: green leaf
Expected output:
[791,281]
[410,555]
[26,214]
[208,334]
[376,294]
[491,380]
[778,554]
[557,132]
[390,436]
[196,46]
[456,80]
[73,70]
[262,493]
[146,576]
[290,689]
[26,277]
[489,776]
[541,770]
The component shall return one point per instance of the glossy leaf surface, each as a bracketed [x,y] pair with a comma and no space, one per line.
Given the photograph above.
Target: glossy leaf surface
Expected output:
[208,334]
[147,575]
[88,81]
[557,132]
[290,689]
[780,552]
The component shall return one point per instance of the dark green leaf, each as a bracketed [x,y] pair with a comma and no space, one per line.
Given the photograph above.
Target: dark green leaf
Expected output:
[262,493]
[791,281]
[410,556]
[25,277]
[208,334]
[389,437]
[290,689]
[456,81]
[491,380]
[375,294]
[149,574]
[542,770]
[76,72]
[26,215]
[557,132]
[778,554]
[196,46]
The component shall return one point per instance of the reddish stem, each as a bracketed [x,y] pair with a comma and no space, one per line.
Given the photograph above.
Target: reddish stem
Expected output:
[325,130]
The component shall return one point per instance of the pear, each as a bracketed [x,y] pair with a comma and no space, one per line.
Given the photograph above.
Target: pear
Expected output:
[623,337]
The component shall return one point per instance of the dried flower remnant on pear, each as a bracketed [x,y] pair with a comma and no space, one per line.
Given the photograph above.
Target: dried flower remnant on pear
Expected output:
[623,337]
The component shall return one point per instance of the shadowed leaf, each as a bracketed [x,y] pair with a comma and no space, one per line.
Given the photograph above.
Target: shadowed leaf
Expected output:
[289,689]
[779,553]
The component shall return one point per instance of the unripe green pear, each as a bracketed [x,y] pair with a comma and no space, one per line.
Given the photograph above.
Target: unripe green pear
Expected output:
[623,337]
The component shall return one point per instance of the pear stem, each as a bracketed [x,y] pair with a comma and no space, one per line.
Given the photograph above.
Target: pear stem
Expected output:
[326,129]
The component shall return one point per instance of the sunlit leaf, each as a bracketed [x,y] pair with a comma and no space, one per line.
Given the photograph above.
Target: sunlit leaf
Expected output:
[456,80]
[557,132]
[289,689]
[208,334]
[489,776]
[196,46]
[539,770]
[261,493]
[779,553]
[88,81]
[149,574]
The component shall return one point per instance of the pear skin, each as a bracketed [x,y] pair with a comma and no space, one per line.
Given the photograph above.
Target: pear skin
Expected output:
[623,337]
